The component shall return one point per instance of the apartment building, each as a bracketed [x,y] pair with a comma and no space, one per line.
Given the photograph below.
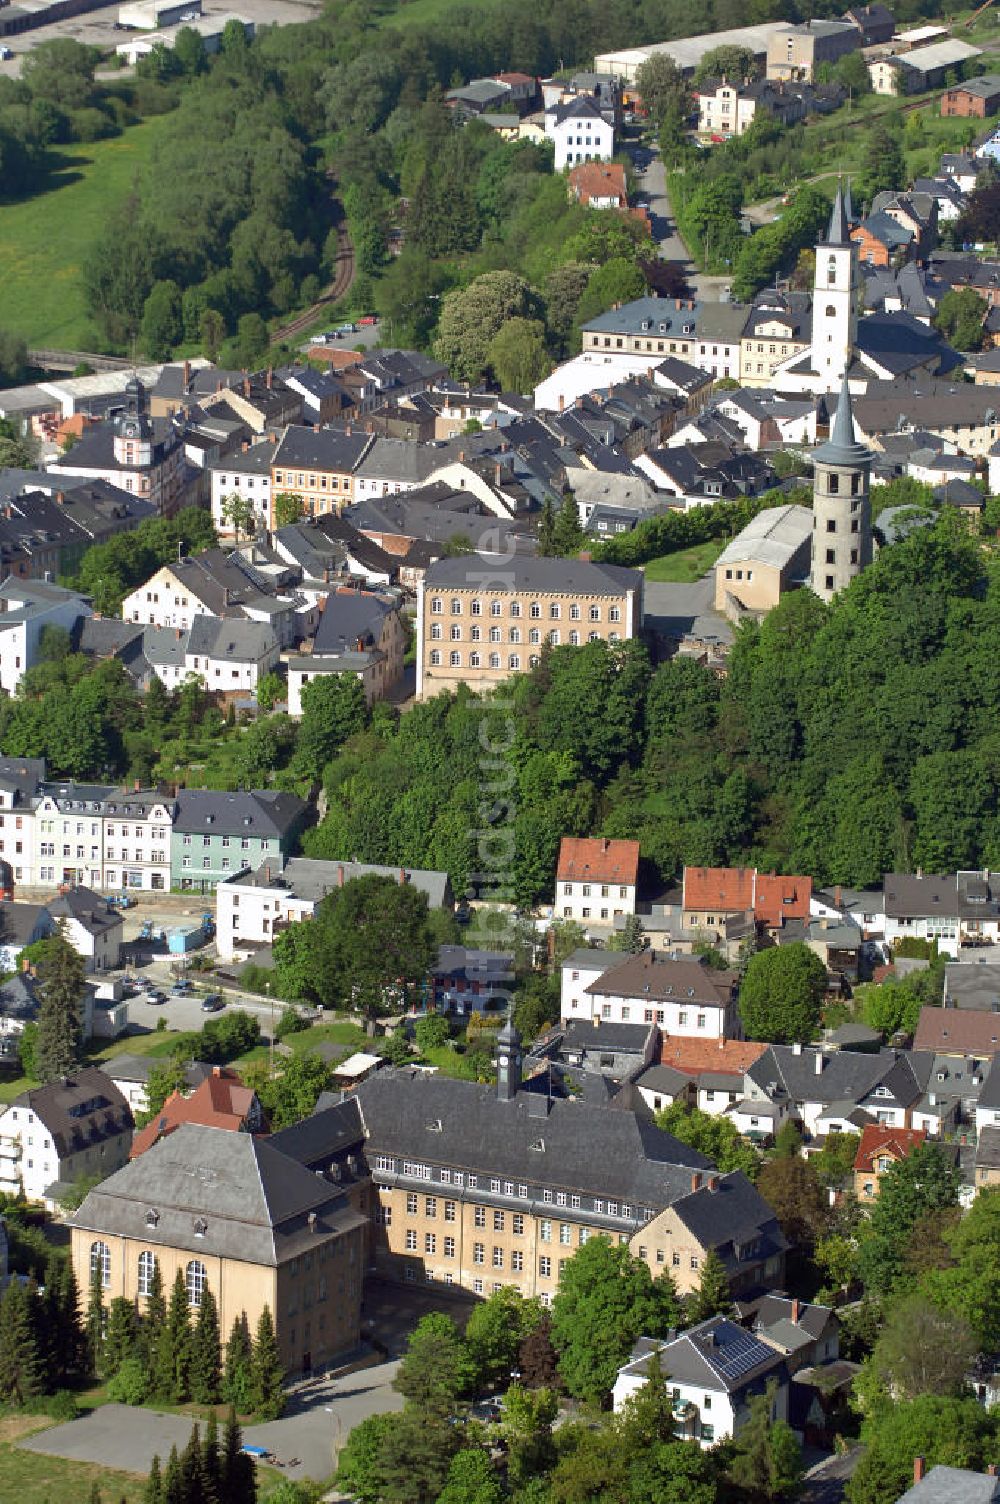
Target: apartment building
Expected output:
[596,879]
[53,1135]
[680,994]
[318,466]
[479,1187]
[483,618]
[646,326]
[99,836]
[217,834]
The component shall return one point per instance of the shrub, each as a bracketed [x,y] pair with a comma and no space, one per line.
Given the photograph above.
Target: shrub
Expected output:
[130,1385]
[62,1405]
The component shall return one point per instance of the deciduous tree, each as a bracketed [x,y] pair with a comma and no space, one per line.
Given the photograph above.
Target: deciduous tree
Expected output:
[782,994]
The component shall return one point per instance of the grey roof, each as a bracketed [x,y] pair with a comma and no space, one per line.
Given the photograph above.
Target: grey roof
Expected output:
[231,639]
[850,1035]
[730,1218]
[595,1034]
[19,997]
[647,315]
[87,908]
[262,812]
[164,647]
[579,1147]
[559,576]
[909,895]
[663,1078]
[989,1095]
[952,1485]
[316,1140]
[256,460]
[813,1319]
[350,618]
[19,922]
[307,878]
[843,447]
[325,449]
[79,1111]
[400,460]
[253,1200]
[839,230]
[717,1354]
[651,975]
[988,1149]
[773,537]
[973,984]
[847,1076]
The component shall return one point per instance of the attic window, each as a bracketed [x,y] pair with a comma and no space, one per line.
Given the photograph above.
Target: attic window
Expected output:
[200,1227]
[435,1126]
[538,1146]
[152,1217]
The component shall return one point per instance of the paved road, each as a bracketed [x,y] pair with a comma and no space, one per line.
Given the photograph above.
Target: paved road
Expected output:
[824,1484]
[652,190]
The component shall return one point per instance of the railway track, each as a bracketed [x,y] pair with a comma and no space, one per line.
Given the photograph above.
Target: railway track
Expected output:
[342,279]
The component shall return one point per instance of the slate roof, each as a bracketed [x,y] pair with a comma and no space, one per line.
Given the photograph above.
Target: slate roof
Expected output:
[253,1200]
[351,617]
[582,1148]
[847,1075]
[330,1131]
[654,977]
[555,576]
[663,1078]
[309,878]
[88,908]
[974,984]
[330,449]
[263,812]
[231,639]
[702,1357]
[60,1108]
[597,1034]
[813,1319]
[579,108]
[18,922]
[952,1485]
[19,997]
[988,1149]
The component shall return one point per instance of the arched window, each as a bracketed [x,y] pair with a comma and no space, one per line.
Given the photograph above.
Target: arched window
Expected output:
[194,1281]
[147,1266]
[831,271]
[100,1260]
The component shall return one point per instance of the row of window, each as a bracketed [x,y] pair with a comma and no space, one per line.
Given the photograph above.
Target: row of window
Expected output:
[605,893]
[195,1273]
[514,609]
[476,660]
[417,1171]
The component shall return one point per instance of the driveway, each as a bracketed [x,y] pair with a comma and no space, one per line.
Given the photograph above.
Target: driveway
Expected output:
[652,191]
[320,1416]
[824,1484]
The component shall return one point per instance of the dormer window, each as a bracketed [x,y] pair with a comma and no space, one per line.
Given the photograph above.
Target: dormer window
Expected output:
[200,1227]
[152,1217]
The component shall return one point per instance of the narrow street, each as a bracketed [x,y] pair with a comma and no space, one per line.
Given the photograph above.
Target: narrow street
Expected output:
[652,191]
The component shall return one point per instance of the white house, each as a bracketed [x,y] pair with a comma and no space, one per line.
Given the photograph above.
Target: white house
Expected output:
[579,133]
[54,1135]
[578,971]
[21,924]
[27,607]
[92,928]
[247,475]
[680,994]
[596,879]
[962,908]
[810,1082]
[251,907]
[712,1370]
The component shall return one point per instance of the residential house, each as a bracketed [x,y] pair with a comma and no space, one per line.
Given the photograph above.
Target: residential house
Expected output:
[131,1074]
[959,910]
[920,69]
[713,1371]
[715,1068]
[806,1333]
[323,396]
[468,980]
[879,1149]
[360,633]
[780,901]
[21,924]
[614,1052]
[230,656]
[263,405]
[987,1166]
[703,473]
[221,1100]
[92,928]
[253,903]
[976,98]
[648,326]
[27,608]
[777,328]
[728,107]
[392,465]
[599,185]
[579,132]
[950,1485]
[19,1005]
[253,1225]
[134,452]
[481,1186]
[51,1136]
[964,1032]
[709,894]
[875,23]
[795,52]
[223,585]
[596,879]
[248,476]
[45,533]
[763,562]
[330,548]
[317,467]
[481,618]
[215,835]
[578,970]
[963,416]
[683,995]
[811,1081]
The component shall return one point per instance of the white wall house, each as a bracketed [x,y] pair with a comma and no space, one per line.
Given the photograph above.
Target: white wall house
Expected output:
[27,607]
[712,1371]
[578,971]
[247,475]
[596,880]
[77,1127]
[579,133]
[679,994]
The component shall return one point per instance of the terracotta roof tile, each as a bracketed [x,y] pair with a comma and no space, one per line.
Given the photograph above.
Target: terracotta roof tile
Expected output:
[221,1101]
[779,898]
[597,860]
[728,889]
[718,1056]
[878,1139]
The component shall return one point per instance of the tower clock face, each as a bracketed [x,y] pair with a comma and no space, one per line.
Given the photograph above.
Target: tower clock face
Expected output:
[502,1060]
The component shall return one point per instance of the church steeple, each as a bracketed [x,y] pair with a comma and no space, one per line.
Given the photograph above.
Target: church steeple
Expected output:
[835,297]
[509,1061]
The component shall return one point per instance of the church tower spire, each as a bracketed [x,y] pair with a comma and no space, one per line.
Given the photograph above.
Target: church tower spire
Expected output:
[835,297]
[842,516]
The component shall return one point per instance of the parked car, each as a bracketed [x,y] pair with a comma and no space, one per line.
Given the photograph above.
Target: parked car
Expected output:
[367,320]
[181,987]
[213,1003]
[155,997]
[5,54]
[346,329]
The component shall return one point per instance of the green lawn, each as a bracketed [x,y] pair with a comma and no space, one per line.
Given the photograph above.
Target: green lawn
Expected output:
[43,239]
[687,566]
[31,1478]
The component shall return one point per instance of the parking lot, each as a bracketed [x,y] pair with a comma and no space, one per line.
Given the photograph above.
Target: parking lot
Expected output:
[97,28]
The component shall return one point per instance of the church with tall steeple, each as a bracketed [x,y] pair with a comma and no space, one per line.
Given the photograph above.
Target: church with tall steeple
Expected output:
[836,295]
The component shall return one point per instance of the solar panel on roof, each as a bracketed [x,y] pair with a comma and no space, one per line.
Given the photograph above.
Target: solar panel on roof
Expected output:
[739,1353]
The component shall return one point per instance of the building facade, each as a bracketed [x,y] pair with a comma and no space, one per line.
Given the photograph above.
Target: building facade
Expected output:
[842,527]
[53,1135]
[215,835]
[596,879]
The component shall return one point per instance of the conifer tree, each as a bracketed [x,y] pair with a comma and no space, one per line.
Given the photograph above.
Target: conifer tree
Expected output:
[546,529]
[173,1354]
[95,1320]
[712,1297]
[154,1484]
[173,1483]
[120,1337]
[154,1319]
[237,1383]
[206,1357]
[567,534]
[238,1484]
[211,1462]
[60,1018]
[61,1340]
[268,1373]
[20,1364]
[191,1474]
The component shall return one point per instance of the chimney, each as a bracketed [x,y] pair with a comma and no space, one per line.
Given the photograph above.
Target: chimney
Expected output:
[796,1048]
[270,377]
[347,431]
[819,1062]
[361,644]
[713,1182]
[267,873]
[918,1469]
[61,498]
[403,878]
[186,374]
[311,1219]
[562,402]
[340,877]
[604,843]
[991,1471]
[461,454]
[696,1180]
[216,1070]
[178,633]
[796,1310]
[246,386]
[136,786]
[836,895]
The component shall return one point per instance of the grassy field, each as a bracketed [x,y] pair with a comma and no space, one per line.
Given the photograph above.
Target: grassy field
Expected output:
[687,566]
[43,239]
[31,1478]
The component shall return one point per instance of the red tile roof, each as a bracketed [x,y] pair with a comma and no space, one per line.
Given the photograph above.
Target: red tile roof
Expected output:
[780,898]
[877,1140]
[514,78]
[221,1101]
[728,889]
[719,1056]
[958,1031]
[599,180]
[585,859]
